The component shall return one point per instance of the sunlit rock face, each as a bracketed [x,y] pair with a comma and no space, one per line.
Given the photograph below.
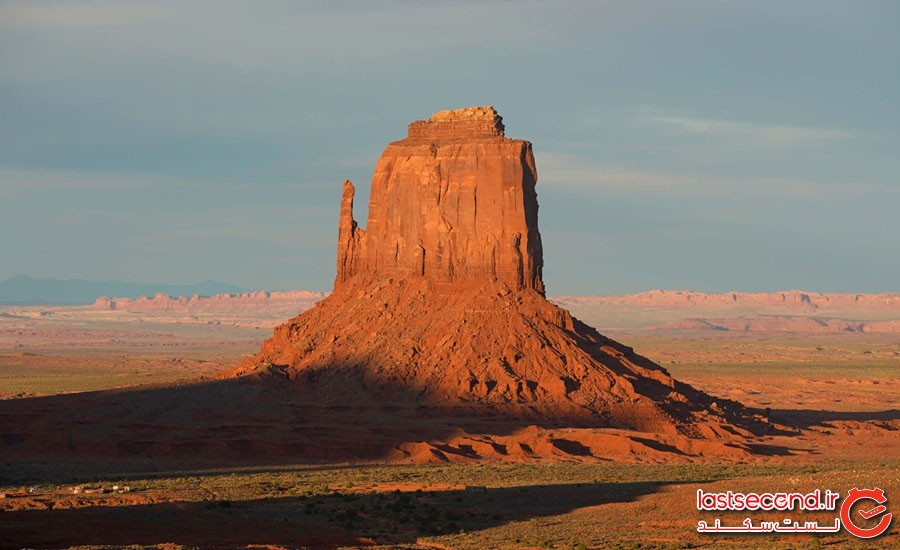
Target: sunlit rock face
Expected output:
[454,201]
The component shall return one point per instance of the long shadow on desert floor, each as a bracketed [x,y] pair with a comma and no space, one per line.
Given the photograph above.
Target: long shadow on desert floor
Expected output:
[342,418]
[319,521]
[807,418]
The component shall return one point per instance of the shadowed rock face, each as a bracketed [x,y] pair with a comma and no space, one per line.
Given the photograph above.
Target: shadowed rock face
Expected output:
[454,201]
[441,295]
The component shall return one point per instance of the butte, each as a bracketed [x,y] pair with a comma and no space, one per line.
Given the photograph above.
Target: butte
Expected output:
[439,303]
[437,344]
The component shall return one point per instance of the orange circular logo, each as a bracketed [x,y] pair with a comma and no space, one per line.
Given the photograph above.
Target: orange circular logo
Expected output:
[856,495]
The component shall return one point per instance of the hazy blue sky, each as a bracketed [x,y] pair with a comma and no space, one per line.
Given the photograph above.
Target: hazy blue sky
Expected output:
[707,145]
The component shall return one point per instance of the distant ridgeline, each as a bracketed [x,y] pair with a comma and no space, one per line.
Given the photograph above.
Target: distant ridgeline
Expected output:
[247,303]
[788,299]
[24,290]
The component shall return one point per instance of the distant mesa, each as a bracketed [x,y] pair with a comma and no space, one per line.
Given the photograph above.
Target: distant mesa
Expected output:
[794,300]
[260,302]
[786,311]
[23,289]
[441,296]
[781,323]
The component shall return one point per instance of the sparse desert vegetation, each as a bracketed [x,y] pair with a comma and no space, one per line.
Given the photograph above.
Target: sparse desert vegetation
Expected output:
[552,505]
[525,505]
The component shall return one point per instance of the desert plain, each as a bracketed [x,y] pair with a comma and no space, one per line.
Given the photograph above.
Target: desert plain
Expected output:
[837,389]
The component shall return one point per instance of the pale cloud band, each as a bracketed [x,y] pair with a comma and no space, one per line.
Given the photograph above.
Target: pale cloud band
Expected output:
[773,134]
[562,169]
[91,13]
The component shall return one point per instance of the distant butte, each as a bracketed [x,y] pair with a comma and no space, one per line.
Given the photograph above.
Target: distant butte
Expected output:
[441,296]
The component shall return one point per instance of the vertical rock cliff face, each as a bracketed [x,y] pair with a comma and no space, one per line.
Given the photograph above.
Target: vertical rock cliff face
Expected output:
[439,301]
[454,201]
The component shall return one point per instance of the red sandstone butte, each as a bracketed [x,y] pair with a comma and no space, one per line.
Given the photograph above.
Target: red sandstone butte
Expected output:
[440,300]
[454,201]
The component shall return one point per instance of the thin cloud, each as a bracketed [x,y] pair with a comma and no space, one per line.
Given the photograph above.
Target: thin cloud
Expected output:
[17,182]
[773,134]
[97,13]
[560,169]
[288,226]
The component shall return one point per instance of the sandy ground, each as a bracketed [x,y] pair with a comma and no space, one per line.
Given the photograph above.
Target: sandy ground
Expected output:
[841,392]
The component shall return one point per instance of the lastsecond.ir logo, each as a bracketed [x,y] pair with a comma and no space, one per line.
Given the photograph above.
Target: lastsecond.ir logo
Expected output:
[855,495]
